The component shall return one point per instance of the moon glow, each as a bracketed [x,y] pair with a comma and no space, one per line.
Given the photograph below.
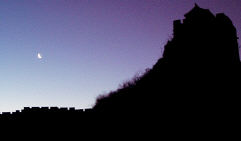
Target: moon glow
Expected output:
[39,56]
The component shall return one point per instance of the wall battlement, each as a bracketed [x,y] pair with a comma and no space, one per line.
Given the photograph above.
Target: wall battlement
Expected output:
[41,111]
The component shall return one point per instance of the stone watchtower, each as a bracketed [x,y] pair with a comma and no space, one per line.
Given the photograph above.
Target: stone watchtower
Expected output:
[203,37]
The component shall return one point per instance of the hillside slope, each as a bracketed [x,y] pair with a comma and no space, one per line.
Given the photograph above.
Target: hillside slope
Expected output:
[199,73]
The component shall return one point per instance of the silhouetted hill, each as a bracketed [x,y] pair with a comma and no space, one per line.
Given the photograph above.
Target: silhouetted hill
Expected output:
[196,82]
[193,87]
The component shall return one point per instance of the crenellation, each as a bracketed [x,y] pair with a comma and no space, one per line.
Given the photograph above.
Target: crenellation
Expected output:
[45,111]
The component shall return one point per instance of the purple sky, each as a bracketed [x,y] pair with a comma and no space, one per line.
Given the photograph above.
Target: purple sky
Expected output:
[89,47]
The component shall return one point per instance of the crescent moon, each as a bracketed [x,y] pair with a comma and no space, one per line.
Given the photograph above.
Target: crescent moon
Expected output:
[39,56]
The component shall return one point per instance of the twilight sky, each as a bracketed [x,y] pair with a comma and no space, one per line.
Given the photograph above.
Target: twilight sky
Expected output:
[88,47]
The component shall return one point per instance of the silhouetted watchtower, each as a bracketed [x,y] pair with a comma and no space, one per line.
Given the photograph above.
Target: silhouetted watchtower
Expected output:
[203,38]
[197,15]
